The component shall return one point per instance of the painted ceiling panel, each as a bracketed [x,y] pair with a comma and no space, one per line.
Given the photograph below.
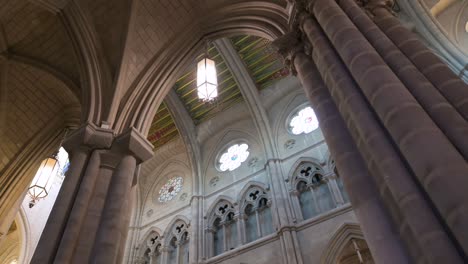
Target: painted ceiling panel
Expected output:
[163,128]
[264,64]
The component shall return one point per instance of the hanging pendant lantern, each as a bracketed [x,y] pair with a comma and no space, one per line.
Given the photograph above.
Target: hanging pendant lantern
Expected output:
[207,80]
[43,179]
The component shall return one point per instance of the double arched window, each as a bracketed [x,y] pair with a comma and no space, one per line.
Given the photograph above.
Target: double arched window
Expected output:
[172,249]
[151,249]
[315,191]
[231,226]
[255,207]
[178,243]
[223,230]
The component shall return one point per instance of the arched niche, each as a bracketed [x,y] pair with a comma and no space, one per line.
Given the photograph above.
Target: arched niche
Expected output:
[347,246]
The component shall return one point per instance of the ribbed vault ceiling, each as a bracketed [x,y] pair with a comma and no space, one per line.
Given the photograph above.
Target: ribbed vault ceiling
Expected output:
[261,61]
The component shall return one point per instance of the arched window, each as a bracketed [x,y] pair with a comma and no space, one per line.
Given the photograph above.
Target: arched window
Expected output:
[250,224]
[257,213]
[306,200]
[218,237]
[178,244]
[146,256]
[347,246]
[231,231]
[312,191]
[222,233]
[151,249]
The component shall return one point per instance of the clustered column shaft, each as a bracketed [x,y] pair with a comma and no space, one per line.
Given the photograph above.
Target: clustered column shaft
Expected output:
[89,221]
[403,119]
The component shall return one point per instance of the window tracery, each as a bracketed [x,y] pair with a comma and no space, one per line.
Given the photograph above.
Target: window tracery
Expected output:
[223,228]
[170,189]
[314,191]
[151,249]
[257,213]
[178,243]
[304,121]
[233,157]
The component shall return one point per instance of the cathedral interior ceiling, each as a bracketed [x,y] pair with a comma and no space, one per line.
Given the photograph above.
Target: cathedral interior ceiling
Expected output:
[262,63]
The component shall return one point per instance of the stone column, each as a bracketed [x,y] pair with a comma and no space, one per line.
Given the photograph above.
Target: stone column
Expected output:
[296,205]
[335,191]
[152,256]
[406,126]
[283,216]
[96,227]
[79,145]
[407,123]
[223,224]
[164,254]
[239,218]
[376,223]
[436,105]
[196,230]
[209,242]
[433,68]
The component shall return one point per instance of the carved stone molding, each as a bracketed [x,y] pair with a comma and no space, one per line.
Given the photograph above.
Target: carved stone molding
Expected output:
[371,5]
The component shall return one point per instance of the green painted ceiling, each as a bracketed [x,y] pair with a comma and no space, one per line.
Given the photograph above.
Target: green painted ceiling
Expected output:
[263,64]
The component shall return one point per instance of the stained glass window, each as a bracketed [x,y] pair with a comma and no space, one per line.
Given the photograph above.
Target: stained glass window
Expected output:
[233,157]
[169,190]
[304,121]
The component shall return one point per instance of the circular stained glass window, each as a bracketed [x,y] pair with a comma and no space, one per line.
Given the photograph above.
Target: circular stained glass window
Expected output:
[304,121]
[170,189]
[233,157]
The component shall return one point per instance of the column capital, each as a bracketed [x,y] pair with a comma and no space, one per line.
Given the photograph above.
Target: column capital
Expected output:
[288,46]
[132,142]
[210,230]
[294,192]
[371,5]
[88,136]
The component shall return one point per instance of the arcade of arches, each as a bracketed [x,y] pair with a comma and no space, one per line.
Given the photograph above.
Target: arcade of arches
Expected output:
[339,133]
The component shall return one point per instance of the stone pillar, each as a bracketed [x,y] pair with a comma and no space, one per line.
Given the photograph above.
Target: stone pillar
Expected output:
[407,126]
[376,223]
[196,230]
[444,114]
[239,218]
[283,216]
[209,242]
[95,226]
[223,225]
[429,64]
[79,145]
[152,256]
[164,254]
[296,205]
[335,191]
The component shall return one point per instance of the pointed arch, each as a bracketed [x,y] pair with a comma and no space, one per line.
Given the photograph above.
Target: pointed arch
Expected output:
[345,233]
[150,231]
[169,229]
[285,112]
[298,163]
[149,88]
[219,199]
[247,187]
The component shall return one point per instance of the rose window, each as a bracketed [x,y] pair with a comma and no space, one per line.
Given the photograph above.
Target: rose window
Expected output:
[304,121]
[233,157]
[170,189]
